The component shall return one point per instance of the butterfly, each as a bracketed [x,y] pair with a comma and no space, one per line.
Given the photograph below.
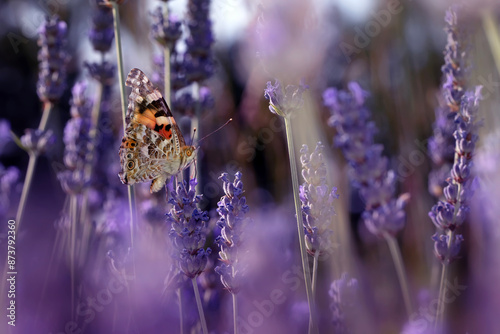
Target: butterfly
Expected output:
[152,148]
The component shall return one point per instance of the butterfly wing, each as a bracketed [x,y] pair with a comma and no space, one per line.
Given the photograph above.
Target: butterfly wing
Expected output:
[151,145]
[148,107]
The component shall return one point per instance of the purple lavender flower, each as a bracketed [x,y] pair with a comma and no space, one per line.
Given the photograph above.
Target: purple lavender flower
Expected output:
[284,102]
[188,232]
[451,212]
[77,141]
[199,62]
[37,142]
[317,201]
[344,294]
[445,250]
[103,72]
[165,32]
[102,33]
[232,208]
[53,59]
[369,169]
[454,66]
[441,144]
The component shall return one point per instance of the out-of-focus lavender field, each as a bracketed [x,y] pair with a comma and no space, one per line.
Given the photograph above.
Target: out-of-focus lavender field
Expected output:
[354,191]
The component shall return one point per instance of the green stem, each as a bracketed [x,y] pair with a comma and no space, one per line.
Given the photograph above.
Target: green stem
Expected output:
[47,110]
[491,30]
[17,141]
[200,306]
[166,56]
[398,263]
[315,272]
[119,61]
[235,313]
[26,189]
[300,227]
[166,64]
[121,80]
[444,272]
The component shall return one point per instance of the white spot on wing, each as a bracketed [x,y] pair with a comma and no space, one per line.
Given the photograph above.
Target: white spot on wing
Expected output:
[162,120]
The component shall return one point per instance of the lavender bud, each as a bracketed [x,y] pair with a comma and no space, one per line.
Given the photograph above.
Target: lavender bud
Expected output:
[444,253]
[37,142]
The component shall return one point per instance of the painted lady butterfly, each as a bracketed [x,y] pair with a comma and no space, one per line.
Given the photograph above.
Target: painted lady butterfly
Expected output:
[152,147]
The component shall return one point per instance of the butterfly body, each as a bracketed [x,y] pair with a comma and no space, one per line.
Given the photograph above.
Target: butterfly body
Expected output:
[152,148]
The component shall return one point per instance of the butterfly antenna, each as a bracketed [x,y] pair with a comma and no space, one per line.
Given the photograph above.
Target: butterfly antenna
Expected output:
[220,127]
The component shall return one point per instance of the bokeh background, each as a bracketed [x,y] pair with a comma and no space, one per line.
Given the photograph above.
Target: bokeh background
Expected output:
[318,41]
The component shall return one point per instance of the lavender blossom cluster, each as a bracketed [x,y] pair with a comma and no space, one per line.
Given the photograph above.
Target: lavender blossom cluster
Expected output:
[368,168]
[450,213]
[232,209]
[188,232]
[317,202]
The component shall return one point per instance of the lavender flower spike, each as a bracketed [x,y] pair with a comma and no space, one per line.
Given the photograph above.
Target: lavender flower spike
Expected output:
[344,294]
[441,144]
[284,102]
[53,59]
[451,212]
[165,31]
[317,201]
[188,232]
[77,141]
[102,33]
[454,67]
[199,62]
[369,169]
[232,208]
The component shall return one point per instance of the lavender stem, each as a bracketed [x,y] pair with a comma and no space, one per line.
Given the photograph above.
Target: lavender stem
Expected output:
[235,312]
[47,109]
[119,56]
[166,63]
[398,263]
[200,307]
[300,226]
